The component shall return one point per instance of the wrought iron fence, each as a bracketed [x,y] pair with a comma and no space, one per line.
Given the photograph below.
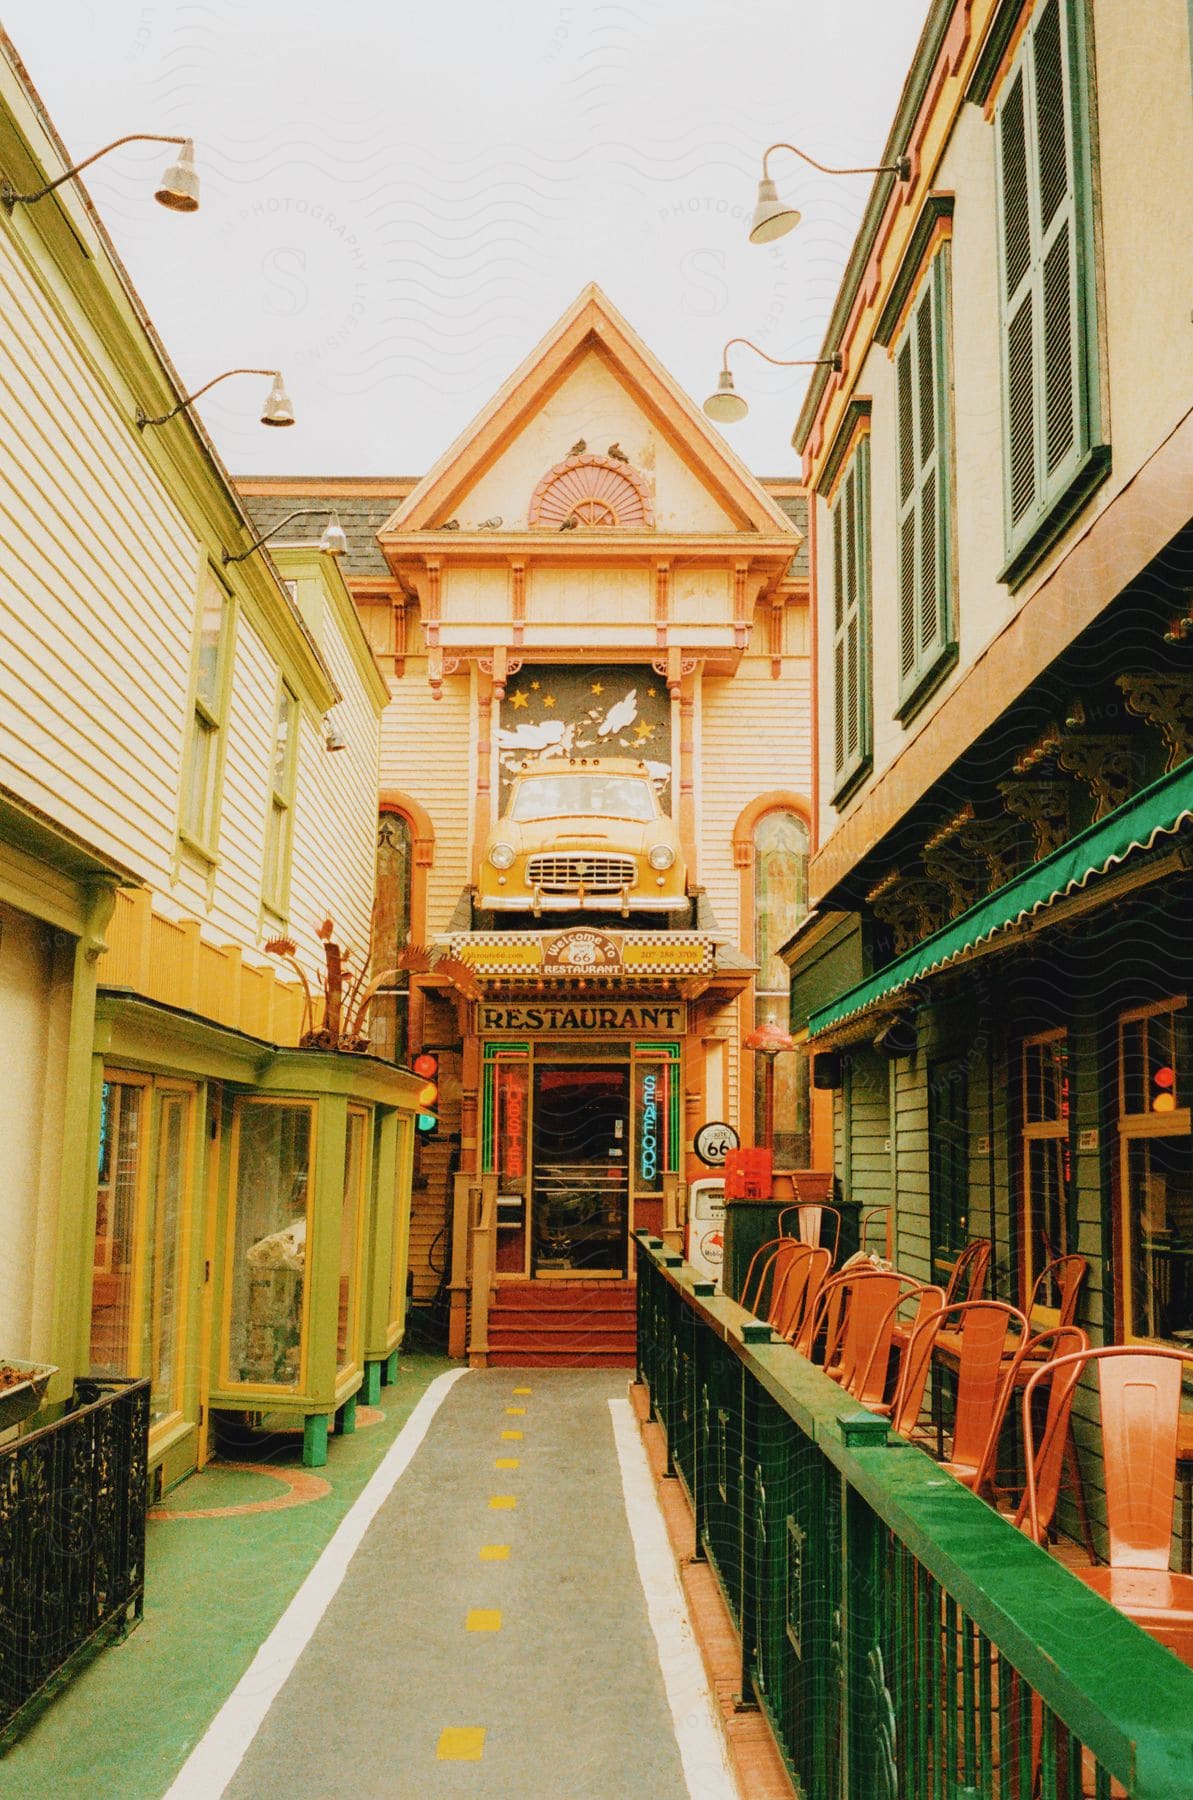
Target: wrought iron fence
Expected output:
[72,1540]
[904,1640]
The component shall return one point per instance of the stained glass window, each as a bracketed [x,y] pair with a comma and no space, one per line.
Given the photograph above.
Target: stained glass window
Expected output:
[780,902]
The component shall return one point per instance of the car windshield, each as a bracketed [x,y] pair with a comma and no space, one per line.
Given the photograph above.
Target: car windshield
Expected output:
[588,796]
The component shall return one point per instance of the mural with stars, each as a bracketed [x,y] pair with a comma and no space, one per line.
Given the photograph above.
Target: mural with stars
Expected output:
[553,711]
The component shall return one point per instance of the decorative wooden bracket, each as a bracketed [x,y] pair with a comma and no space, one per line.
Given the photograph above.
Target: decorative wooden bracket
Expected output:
[501,666]
[1045,806]
[914,906]
[1166,702]
[673,667]
[1107,764]
[439,666]
[964,841]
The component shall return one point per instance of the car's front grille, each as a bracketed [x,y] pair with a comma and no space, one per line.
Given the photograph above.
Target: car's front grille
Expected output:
[559,874]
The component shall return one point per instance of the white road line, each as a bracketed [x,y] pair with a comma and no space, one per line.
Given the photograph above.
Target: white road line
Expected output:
[218,1754]
[698,1732]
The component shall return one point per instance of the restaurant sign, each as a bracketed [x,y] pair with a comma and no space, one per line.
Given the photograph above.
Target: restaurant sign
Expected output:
[495,1016]
[583,950]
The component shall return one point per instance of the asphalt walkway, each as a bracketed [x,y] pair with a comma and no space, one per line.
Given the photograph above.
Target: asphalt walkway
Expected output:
[491,1636]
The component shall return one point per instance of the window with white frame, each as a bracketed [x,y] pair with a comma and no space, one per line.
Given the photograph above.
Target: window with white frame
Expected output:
[283,766]
[201,769]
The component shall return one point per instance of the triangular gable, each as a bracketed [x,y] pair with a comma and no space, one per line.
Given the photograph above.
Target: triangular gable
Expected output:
[591,325]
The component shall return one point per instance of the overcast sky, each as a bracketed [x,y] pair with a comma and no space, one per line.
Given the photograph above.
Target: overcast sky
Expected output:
[399,200]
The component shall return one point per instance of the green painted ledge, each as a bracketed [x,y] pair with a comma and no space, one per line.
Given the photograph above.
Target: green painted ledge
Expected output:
[215,1588]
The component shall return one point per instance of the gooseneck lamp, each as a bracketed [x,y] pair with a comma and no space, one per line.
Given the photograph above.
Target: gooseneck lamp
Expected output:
[178,189]
[334,541]
[773,217]
[277,409]
[726,405]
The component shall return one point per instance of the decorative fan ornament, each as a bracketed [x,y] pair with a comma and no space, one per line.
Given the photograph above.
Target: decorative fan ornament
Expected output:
[594,491]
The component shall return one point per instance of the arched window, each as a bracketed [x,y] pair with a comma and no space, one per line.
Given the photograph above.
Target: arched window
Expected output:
[780,902]
[389,1030]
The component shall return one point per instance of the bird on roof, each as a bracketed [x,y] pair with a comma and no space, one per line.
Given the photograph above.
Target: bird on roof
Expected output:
[450,525]
[570,523]
[617,453]
[578,448]
[493,524]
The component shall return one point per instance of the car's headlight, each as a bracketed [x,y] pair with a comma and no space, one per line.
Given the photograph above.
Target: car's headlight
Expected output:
[661,856]
[502,856]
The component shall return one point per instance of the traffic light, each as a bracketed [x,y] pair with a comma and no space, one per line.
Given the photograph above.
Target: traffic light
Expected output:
[426,1065]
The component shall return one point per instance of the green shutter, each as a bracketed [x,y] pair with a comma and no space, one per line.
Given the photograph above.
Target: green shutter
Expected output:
[924,561]
[1048,335]
[851,586]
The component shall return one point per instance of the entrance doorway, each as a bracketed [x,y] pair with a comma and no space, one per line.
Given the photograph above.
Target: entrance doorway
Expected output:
[581,1169]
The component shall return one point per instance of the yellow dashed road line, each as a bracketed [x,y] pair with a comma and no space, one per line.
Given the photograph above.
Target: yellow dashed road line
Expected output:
[511,1436]
[482,1618]
[461,1743]
[494,1552]
[506,1462]
[516,1412]
[502,1502]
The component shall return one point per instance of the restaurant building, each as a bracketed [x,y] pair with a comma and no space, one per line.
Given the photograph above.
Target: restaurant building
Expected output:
[587,589]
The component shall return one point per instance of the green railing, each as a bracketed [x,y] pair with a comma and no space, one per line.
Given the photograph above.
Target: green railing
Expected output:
[904,1640]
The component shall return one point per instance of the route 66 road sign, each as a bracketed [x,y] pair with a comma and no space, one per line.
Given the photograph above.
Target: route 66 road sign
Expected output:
[713,1142]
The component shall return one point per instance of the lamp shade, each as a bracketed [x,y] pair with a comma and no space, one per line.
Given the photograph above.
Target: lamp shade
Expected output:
[334,541]
[333,737]
[278,409]
[726,406]
[768,1040]
[179,186]
[772,216]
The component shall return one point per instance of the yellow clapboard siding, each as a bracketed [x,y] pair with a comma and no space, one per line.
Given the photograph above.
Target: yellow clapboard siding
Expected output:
[441,782]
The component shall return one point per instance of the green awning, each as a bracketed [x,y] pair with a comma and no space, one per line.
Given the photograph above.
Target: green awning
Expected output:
[1161,810]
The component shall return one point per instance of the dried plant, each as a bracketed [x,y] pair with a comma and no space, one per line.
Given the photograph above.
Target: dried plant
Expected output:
[348,996]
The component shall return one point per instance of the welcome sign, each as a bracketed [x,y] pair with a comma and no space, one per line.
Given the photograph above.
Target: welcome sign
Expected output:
[495,1016]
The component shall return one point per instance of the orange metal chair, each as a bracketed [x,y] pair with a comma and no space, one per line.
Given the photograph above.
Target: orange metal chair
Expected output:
[966,1282]
[769,1259]
[887,1215]
[811,1219]
[798,1290]
[854,1306]
[968,1279]
[1139,1391]
[787,1264]
[982,1375]
[928,1299]
[1055,1431]
[1062,1279]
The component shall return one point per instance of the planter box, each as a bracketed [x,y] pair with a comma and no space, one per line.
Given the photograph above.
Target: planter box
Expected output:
[23,1399]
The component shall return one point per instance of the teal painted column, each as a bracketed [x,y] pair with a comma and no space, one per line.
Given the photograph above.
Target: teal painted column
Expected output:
[314,1440]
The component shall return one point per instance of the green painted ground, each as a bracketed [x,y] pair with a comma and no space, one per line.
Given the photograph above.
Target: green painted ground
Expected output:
[215,1588]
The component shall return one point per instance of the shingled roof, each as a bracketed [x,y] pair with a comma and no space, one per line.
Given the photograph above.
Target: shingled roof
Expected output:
[363,515]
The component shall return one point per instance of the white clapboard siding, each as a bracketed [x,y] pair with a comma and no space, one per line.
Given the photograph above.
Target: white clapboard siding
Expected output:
[335,812]
[426,754]
[98,577]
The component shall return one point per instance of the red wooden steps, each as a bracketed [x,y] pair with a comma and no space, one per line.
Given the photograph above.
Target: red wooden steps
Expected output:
[563,1325]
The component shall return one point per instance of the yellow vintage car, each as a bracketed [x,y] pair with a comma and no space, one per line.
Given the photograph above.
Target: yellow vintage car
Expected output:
[583,835]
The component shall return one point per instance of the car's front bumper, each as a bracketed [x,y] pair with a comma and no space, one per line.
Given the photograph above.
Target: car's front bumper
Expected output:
[528,902]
